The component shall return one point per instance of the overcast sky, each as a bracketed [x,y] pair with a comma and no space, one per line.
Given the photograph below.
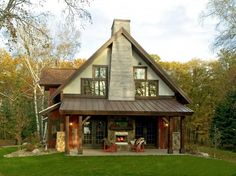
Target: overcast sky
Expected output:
[170,28]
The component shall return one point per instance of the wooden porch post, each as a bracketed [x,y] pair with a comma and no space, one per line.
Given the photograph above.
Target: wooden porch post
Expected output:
[170,129]
[79,138]
[182,126]
[67,147]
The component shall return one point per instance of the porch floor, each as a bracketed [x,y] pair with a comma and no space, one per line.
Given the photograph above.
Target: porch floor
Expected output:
[99,152]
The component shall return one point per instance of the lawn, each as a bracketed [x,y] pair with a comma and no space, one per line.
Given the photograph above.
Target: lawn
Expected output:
[59,164]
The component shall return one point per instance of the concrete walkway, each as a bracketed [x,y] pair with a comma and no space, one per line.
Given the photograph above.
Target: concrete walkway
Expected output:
[99,152]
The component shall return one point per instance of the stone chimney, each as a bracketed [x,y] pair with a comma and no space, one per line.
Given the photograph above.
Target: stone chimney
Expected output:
[118,23]
[121,85]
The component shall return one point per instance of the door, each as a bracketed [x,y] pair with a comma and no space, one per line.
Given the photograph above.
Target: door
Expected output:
[94,132]
[146,127]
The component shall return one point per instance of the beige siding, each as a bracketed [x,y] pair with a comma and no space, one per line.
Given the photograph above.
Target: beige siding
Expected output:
[75,86]
[104,59]
[164,90]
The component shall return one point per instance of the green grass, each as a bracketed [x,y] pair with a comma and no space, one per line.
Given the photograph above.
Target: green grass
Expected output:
[59,164]
[220,154]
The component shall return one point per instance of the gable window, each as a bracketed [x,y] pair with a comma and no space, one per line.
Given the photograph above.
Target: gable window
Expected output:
[100,71]
[140,72]
[96,86]
[144,87]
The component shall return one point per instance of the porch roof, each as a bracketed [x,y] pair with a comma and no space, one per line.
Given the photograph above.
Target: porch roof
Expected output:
[153,107]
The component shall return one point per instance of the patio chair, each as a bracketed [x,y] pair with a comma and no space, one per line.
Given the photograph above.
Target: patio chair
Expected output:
[138,145]
[109,146]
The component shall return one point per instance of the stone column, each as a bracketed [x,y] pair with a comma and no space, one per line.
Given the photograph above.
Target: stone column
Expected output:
[170,129]
[79,138]
[67,147]
[182,126]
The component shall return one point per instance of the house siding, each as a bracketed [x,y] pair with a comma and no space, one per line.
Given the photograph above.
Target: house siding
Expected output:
[164,90]
[74,87]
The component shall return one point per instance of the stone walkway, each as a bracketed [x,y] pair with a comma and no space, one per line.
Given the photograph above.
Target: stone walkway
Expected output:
[99,152]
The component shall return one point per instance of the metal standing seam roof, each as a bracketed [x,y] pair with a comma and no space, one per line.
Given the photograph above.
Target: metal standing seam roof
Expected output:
[88,106]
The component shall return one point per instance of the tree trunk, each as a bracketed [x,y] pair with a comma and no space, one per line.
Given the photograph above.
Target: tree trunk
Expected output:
[36,108]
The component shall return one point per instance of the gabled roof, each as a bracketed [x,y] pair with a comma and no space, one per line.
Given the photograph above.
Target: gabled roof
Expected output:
[55,76]
[181,96]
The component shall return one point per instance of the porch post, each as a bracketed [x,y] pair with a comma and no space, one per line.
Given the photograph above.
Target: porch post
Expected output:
[67,147]
[170,150]
[79,138]
[182,148]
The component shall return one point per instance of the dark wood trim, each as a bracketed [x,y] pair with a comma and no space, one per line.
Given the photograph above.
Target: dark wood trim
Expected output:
[131,113]
[79,142]
[83,96]
[182,131]
[67,146]
[159,97]
[170,129]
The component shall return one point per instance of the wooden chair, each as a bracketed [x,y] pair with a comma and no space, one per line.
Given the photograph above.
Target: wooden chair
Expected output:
[138,145]
[108,146]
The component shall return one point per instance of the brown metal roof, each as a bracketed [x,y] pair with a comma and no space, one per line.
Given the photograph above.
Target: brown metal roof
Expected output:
[86,106]
[55,76]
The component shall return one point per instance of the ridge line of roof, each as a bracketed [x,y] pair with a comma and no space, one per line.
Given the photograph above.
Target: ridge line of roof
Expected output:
[146,56]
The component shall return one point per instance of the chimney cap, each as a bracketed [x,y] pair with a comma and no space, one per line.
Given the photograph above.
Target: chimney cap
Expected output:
[118,23]
[119,20]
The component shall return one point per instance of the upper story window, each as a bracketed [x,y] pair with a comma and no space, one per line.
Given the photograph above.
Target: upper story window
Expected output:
[140,73]
[100,71]
[143,86]
[96,86]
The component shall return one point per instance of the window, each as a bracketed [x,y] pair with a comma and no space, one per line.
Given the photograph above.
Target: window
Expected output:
[140,73]
[100,72]
[93,87]
[144,87]
[96,86]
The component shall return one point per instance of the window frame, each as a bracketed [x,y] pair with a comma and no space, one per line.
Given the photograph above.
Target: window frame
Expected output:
[147,84]
[92,83]
[138,67]
[100,66]
[147,88]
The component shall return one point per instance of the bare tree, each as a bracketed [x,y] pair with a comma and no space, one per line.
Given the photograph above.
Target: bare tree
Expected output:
[26,23]
[224,11]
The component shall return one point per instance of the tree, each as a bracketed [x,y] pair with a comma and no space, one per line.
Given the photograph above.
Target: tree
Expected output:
[21,15]
[224,11]
[225,119]
[16,110]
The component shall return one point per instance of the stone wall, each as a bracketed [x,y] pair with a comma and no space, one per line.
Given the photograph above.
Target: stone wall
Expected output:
[121,74]
[117,24]
[111,133]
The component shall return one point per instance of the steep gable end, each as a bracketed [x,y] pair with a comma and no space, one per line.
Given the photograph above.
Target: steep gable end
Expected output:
[180,95]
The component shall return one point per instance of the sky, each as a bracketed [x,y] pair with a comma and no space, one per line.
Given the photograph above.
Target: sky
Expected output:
[171,29]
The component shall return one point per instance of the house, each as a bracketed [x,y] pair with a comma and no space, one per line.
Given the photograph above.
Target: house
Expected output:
[119,93]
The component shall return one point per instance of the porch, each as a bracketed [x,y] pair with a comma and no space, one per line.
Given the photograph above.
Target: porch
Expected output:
[85,122]
[99,152]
